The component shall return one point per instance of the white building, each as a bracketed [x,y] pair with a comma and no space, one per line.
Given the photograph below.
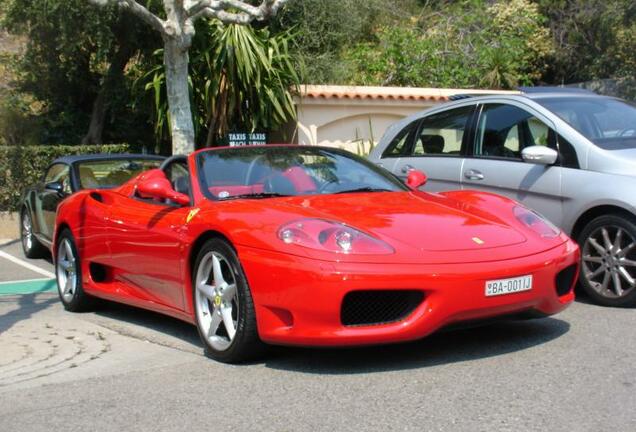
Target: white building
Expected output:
[356,117]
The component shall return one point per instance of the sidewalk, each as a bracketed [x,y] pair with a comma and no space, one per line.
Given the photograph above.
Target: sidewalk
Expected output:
[9,225]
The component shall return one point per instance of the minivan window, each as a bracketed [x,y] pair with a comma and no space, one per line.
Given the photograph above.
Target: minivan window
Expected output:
[400,144]
[442,134]
[505,130]
[608,123]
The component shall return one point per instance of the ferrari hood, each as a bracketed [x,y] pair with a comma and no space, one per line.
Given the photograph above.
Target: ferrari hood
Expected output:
[405,219]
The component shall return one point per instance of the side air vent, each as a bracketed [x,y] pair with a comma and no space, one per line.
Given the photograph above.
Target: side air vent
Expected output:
[99,273]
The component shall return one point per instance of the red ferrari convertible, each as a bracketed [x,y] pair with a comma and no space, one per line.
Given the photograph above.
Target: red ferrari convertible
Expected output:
[306,246]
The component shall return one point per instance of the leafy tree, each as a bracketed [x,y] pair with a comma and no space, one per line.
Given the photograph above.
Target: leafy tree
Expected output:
[593,40]
[327,28]
[73,67]
[468,44]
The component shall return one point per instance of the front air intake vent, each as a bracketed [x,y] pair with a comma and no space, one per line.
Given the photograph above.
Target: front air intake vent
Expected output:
[375,307]
[565,280]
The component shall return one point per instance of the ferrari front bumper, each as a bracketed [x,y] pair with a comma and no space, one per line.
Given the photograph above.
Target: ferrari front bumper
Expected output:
[298,301]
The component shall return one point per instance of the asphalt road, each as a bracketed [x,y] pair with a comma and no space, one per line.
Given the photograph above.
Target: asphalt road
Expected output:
[123,369]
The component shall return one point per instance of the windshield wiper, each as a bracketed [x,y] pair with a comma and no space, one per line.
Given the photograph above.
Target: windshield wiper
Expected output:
[255,196]
[364,189]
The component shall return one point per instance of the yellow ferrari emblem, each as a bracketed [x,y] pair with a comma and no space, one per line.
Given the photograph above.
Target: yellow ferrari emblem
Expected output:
[217,301]
[478,240]
[192,214]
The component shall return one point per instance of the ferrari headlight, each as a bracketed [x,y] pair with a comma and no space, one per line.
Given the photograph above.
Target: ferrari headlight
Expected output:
[536,222]
[333,237]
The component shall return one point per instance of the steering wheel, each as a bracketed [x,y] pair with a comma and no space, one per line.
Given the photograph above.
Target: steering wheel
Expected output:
[627,129]
[176,158]
[250,169]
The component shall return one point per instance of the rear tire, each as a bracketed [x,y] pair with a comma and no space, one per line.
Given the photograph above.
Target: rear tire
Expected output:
[223,305]
[31,246]
[68,272]
[608,260]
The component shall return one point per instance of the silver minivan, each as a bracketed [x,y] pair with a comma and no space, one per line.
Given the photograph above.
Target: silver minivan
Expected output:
[568,154]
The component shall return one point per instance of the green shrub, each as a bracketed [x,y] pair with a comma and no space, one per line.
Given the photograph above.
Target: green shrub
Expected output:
[22,166]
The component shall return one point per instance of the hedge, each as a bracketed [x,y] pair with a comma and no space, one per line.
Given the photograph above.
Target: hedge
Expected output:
[22,166]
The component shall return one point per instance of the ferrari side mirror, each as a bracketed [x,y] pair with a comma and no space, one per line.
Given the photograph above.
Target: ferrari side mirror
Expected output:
[415,179]
[155,185]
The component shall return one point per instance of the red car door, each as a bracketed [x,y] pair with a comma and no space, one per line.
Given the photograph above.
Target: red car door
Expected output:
[146,249]
[92,237]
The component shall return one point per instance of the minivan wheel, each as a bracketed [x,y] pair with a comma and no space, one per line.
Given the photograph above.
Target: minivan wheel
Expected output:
[608,260]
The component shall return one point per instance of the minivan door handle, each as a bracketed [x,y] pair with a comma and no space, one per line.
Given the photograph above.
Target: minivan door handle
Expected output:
[406,168]
[473,174]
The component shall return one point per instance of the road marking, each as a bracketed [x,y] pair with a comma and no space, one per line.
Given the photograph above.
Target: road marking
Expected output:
[24,280]
[27,287]
[27,265]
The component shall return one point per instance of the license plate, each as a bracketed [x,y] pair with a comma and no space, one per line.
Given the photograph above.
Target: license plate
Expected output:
[508,286]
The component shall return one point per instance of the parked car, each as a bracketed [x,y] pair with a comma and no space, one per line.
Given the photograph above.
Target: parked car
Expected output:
[305,245]
[568,154]
[65,176]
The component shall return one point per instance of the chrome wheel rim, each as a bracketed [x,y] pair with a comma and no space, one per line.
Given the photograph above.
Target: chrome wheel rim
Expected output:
[27,232]
[66,271]
[216,300]
[609,261]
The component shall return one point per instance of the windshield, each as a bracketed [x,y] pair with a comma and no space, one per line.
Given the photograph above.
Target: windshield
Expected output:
[106,174]
[608,123]
[266,172]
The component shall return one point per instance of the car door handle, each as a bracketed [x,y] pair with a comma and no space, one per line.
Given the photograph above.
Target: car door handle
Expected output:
[406,168]
[473,174]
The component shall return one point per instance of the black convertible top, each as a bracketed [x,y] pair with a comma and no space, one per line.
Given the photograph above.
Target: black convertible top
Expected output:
[72,159]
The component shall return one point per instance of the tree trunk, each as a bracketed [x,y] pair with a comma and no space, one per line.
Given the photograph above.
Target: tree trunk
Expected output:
[114,75]
[98,116]
[176,64]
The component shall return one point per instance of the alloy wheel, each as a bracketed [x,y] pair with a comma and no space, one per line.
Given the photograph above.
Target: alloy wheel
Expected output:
[66,269]
[217,300]
[609,261]
[27,232]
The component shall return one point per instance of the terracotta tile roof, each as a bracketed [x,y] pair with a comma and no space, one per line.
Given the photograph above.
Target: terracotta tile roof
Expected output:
[386,93]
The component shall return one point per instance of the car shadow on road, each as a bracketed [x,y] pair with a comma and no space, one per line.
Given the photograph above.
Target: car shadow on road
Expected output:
[441,348]
[438,349]
[184,334]
[27,306]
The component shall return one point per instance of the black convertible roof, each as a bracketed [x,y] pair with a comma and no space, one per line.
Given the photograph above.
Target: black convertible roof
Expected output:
[104,156]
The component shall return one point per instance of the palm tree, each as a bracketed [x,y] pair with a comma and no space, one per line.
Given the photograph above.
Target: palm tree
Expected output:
[240,78]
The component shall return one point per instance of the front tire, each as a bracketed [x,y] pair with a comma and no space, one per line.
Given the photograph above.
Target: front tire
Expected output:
[31,247]
[608,260]
[223,305]
[68,272]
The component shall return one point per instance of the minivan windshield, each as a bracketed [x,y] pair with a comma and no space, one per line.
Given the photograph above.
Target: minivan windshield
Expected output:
[274,171]
[608,123]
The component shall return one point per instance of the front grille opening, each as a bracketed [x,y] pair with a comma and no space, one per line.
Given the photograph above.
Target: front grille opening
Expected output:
[374,307]
[565,280]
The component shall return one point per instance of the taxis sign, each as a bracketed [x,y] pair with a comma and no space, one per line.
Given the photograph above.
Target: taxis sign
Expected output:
[237,139]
